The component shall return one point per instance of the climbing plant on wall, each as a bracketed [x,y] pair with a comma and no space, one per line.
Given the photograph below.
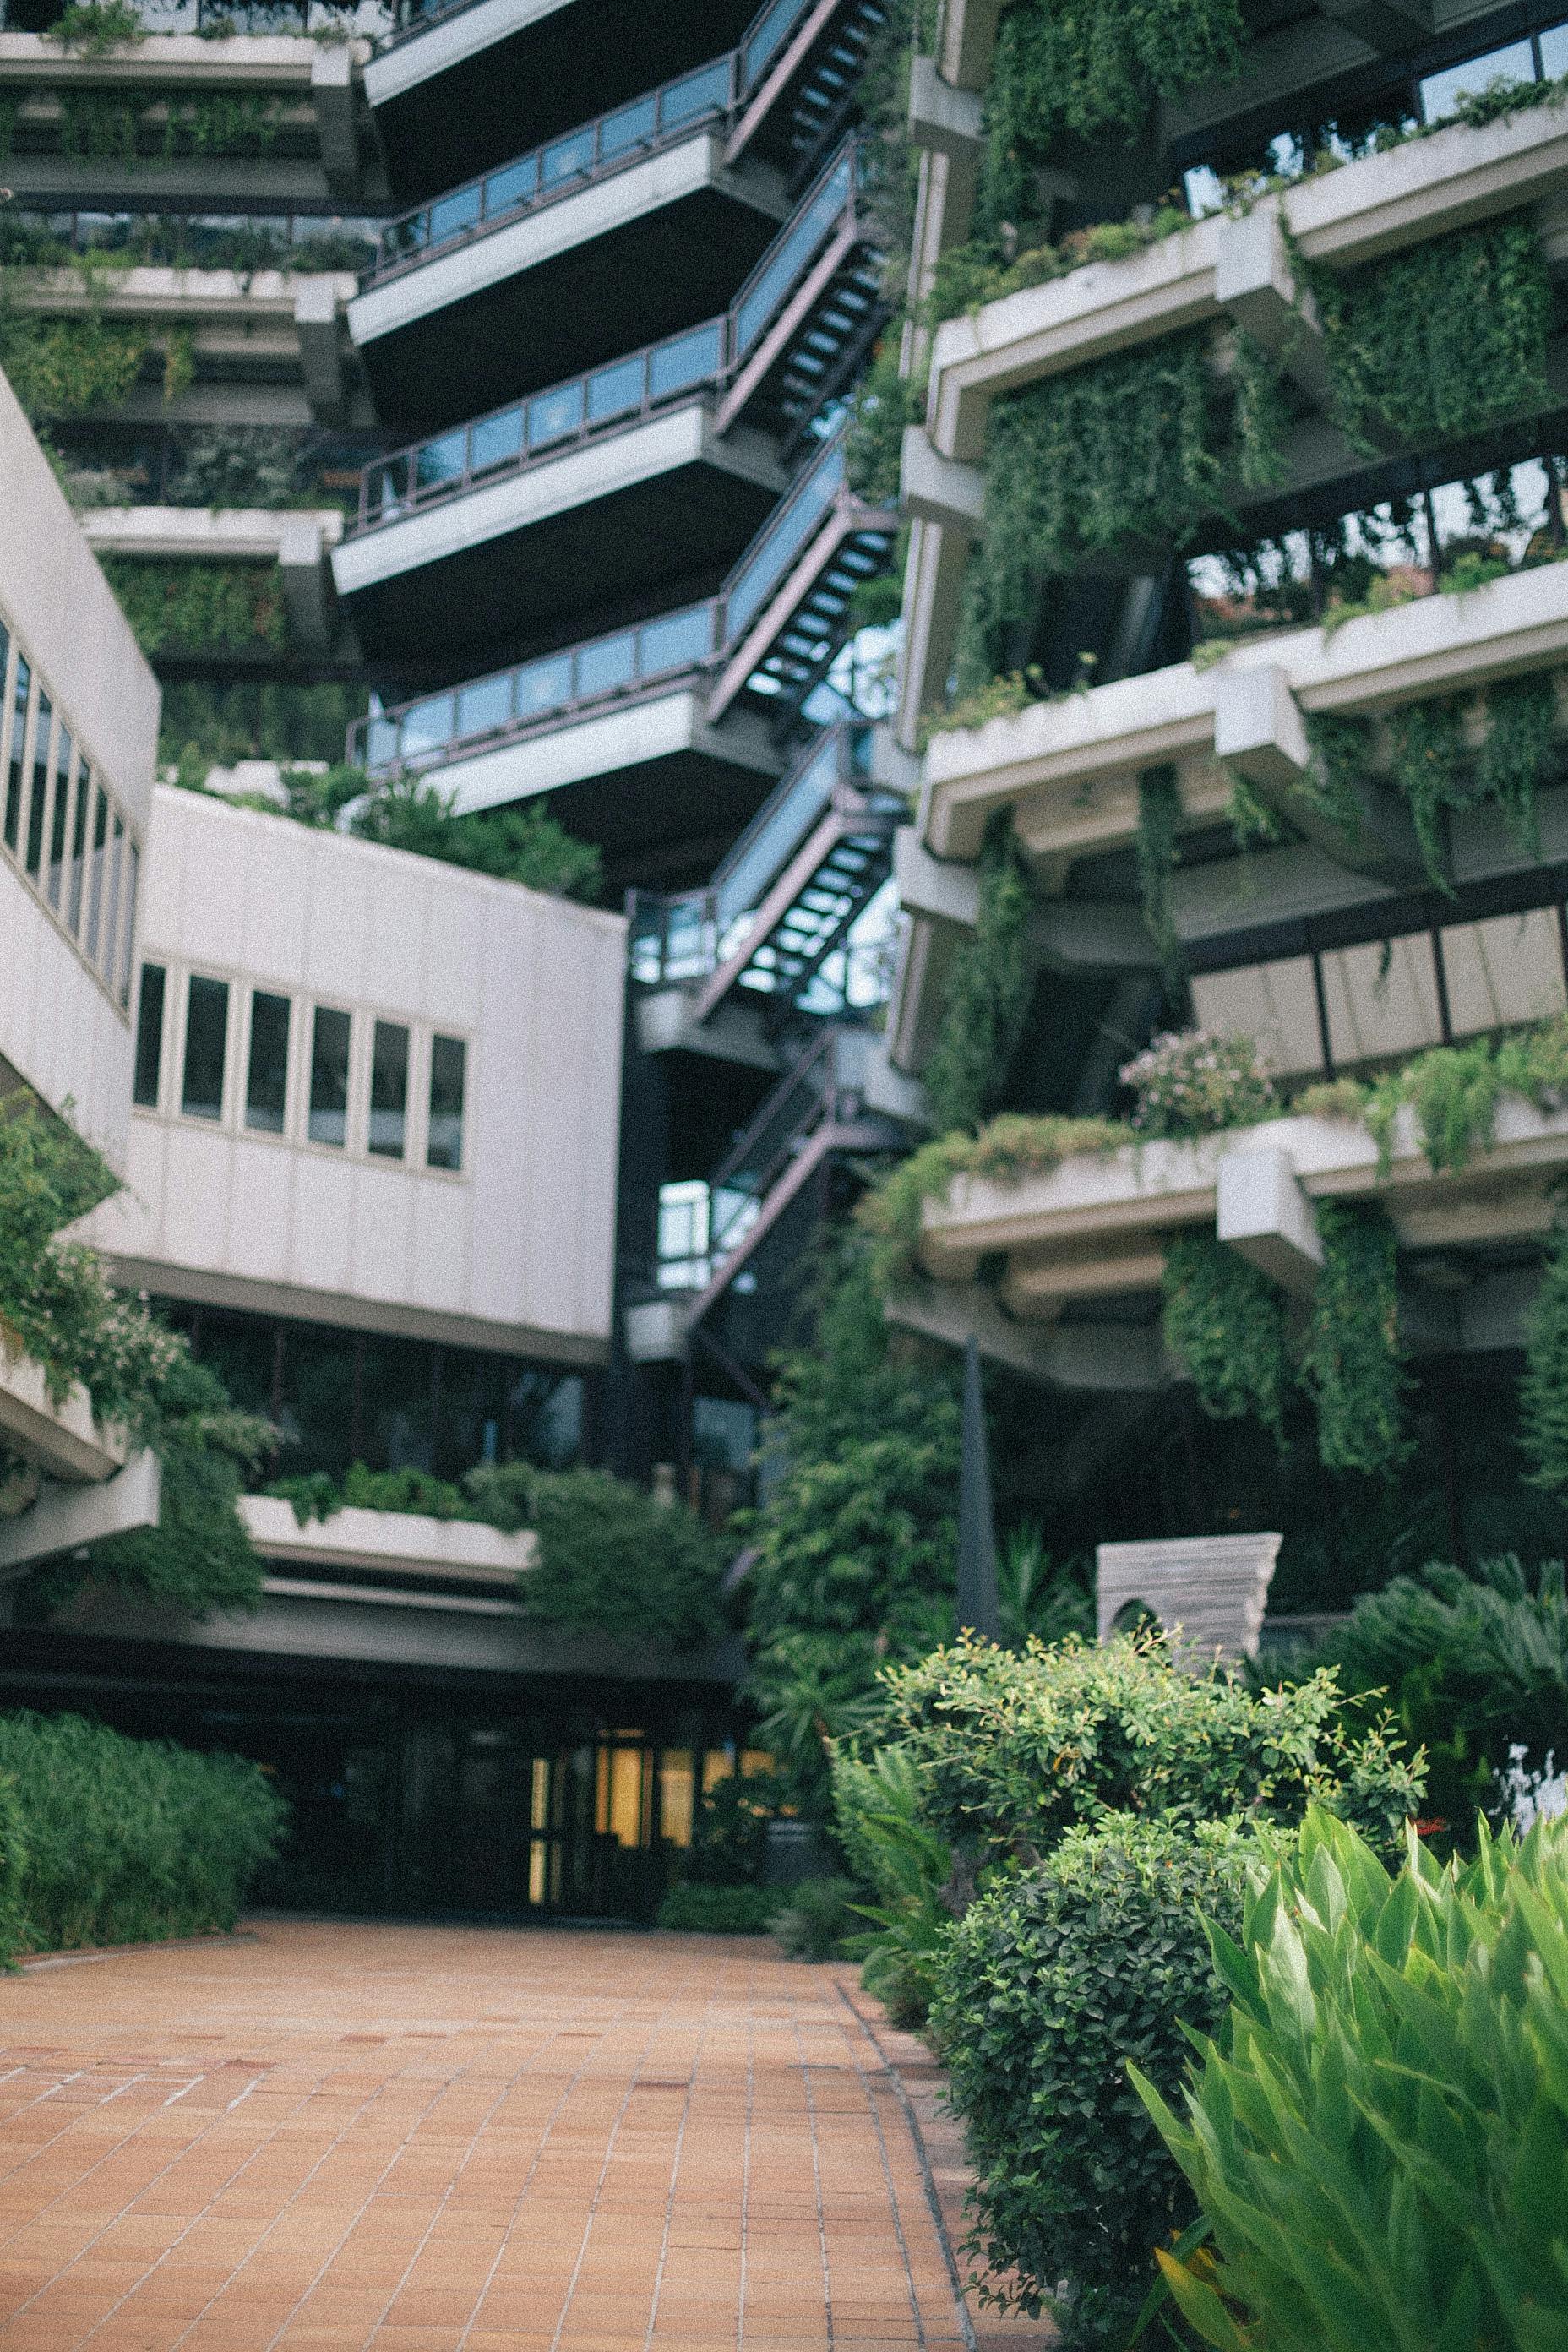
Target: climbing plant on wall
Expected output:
[59,367]
[1442,340]
[199,605]
[987,994]
[1351,1366]
[1543,1390]
[1227,1322]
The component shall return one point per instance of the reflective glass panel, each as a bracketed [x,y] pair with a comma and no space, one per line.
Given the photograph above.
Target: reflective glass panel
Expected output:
[566,159]
[267,1078]
[15,772]
[128,921]
[544,685]
[440,460]
[675,640]
[1441,92]
[444,1140]
[206,1042]
[426,727]
[149,1037]
[497,440]
[484,705]
[612,391]
[628,126]
[329,1077]
[79,847]
[696,93]
[61,818]
[608,663]
[673,367]
[97,865]
[766,40]
[42,730]
[381,741]
[1555,52]
[114,915]
[513,184]
[389,1090]
[553,414]
[451,215]
[779,269]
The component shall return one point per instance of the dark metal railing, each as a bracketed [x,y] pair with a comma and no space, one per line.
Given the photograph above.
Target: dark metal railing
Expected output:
[448,465]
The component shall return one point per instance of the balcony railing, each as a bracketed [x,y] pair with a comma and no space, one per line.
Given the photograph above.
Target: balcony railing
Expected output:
[490,712]
[561,166]
[700,358]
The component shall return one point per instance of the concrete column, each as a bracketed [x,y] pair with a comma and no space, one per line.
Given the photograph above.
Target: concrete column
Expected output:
[320,350]
[306,577]
[65,1518]
[939,490]
[1262,1214]
[945,121]
[334,98]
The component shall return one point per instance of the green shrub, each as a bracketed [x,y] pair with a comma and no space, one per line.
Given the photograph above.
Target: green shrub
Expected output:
[1011,1749]
[730,1836]
[877,1818]
[819,1917]
[125,1841]
[318,1495]
[720,1910]
[1378,2132]
[1045,1990]
[612,1559]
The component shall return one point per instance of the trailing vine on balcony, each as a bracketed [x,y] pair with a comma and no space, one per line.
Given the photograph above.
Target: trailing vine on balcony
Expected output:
[1351,1365]
[1130,450]
[1159,823]
[96,126]
[1090,67]
[60,367]
[1442,340]
[1227,1322]
[1543,1390]
[198,606]
[988,991]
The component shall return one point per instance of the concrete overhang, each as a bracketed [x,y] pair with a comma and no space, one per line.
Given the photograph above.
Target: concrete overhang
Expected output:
[594,522]
[62,1519]
[1069,769]
[243,60]
[520,304]
[396,1544]
[60,1439]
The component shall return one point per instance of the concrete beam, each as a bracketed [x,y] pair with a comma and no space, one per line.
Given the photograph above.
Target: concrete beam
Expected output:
[1263,1215]
[1037,1292]
[305,575]
[667,1024]
[894,768]
[1258,730]
[1386,26]
[65,1518]
[335,99]
[938,489]
[321,350]
[1090,935]
[943,888]
[1255,283]
[1077,1356]
[945,121]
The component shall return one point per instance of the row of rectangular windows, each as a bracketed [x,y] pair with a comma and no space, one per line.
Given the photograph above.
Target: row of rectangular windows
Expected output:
[61,826]
[231,1052]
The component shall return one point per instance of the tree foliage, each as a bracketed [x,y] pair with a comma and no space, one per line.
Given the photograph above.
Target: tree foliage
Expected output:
[988,991]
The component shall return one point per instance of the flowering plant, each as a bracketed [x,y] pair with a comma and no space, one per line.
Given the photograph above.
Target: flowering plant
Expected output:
[1196,1081]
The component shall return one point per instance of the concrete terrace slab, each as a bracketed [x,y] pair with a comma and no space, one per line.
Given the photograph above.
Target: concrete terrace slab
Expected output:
[459,2139]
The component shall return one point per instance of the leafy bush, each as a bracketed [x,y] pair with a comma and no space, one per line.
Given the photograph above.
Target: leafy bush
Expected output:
[199,605]
[1473,1665]
[1011,1749]
[123,1840]
[1378,2132]
[877,1807]
[1199,1081]
[611,1558]
[719,1910]
[1043,1991]
[319,1494]
[730,1836]
[521,844]
[817,1919]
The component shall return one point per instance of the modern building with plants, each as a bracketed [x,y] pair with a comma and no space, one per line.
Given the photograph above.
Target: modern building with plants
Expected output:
[489,1019]
[1233,933]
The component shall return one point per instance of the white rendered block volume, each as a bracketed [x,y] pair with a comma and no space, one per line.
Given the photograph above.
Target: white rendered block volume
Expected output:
[66,1516]
[1208,1592]
[1262,1213]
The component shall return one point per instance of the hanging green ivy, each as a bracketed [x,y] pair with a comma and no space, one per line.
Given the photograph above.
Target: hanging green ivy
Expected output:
[60,367]
[1520,719]
[1441,341]
[199,607]
[1090,67]
[880,406]
[1227,1322]
[1351,1365]
[988,993]
[1159,823]
[1543,1390]
[98,127]
[1427,743]
[1131,449]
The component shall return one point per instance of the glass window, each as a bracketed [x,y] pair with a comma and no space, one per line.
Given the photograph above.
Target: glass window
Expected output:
[266,1076]
[79,847]
[513,184]
[629,125]
[444,1145]
[60,820]
[330,1077]
[42,730]
[128,920]
[439,461]
[677,365]
[1441,92]
[554,414]
[544,685]
[389,1090]
[453,214]
[15,773]
[95,883]
[427,726]
[206,1046]
[485,705]
[1555,52]
[614,390]
[679,638]
[112,904]
[568,158]
[149,1037]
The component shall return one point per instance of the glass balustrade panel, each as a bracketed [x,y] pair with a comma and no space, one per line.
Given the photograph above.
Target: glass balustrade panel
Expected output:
[484,706]
[780,268]
[496,441]
[629,127]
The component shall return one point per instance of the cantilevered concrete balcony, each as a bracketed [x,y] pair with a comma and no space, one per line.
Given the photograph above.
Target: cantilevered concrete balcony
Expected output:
[1078,1254]
[463,86]
[298,540]
[569,501]
[71,1478]
[1223,268]
[615,730]
[498,286]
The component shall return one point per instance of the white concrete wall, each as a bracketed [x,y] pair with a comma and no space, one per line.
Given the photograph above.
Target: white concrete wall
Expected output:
[61,1025]
[516,1251]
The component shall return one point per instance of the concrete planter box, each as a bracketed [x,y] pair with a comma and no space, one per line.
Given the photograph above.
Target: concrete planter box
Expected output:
[392,1543]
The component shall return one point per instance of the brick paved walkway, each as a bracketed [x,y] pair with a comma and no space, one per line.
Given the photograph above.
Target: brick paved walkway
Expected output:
[455,2140]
